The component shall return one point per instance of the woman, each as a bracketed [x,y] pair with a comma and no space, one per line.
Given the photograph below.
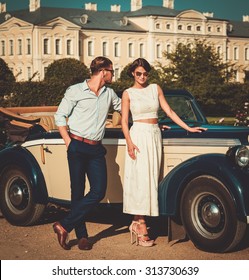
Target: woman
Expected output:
[144,147]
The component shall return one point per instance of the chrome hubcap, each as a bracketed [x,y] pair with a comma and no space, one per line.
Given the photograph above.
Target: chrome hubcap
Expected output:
[208,215]
[18,194]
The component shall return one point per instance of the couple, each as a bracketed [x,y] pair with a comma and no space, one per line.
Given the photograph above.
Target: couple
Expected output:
[86,106]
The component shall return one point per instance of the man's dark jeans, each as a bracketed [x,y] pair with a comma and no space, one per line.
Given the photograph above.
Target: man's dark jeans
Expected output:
[84,159]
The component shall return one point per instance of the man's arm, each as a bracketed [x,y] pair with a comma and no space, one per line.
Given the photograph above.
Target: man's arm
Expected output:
[64,134]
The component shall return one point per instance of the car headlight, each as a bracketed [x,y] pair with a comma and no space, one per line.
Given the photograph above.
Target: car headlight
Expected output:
[240,155]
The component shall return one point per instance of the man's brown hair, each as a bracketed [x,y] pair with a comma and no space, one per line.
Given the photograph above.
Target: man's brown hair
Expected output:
[99,63]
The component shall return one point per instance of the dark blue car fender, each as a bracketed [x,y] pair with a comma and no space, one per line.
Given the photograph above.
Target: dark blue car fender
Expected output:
[22,158]
[217,165]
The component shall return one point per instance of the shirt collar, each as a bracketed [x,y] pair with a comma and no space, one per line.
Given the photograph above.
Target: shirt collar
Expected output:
[86,87]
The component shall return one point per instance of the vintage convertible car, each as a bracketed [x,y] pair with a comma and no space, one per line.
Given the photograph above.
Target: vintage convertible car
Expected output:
[204,182]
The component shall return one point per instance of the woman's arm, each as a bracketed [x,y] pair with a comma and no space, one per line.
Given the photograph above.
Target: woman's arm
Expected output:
[174,117]
[125,125]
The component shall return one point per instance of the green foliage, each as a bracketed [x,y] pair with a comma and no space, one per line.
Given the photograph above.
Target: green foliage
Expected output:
[7,80]
[224,99]
[67,71]
[27,94]
[197,68]
[34,94]
[60,75]
[207,81]
[246,79]
[6,74]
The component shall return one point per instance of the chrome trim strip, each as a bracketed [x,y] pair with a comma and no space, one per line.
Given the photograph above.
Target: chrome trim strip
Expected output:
[215,142]
[114,141]
[42,141]
[60,141]
[247,219]
[201,142]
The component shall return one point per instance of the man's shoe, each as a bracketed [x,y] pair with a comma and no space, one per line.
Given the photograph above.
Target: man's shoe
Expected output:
[84,244]
[62,235]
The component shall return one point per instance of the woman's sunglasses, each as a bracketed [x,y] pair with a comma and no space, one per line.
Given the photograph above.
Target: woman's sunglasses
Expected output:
[138,74]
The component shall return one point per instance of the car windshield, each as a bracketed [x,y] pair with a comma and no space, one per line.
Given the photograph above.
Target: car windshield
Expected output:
[183,107]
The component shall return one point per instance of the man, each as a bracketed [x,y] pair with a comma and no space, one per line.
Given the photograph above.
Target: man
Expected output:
[86,106]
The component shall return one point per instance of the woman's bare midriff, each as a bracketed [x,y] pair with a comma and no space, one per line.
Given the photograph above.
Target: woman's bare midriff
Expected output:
[152,121]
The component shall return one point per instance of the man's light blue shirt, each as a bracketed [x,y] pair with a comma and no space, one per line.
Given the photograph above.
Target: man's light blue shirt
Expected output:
[86,112]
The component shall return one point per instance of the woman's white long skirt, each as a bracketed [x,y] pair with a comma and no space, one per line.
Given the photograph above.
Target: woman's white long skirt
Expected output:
[141,175]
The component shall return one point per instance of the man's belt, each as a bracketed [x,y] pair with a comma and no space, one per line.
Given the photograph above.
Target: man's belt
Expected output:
[85,140]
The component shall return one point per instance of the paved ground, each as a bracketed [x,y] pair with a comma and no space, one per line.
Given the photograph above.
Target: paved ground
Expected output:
[108,229]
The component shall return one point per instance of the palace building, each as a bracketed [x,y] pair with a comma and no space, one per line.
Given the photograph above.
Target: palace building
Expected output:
[33,38]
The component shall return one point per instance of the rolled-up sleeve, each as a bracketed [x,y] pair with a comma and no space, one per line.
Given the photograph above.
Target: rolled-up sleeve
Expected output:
[64,109]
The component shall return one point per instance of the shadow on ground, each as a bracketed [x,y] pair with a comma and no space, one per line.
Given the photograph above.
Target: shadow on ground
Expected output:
[110,215]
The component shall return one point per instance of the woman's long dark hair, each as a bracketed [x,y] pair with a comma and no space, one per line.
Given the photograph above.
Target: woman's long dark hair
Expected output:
[136,63]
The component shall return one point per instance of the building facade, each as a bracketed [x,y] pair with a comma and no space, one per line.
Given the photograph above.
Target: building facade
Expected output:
[33,38]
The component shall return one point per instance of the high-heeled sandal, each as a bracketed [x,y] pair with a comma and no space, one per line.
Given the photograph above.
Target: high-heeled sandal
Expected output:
[139,238]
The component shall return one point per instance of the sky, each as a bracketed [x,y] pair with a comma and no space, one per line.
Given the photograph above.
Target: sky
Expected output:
[224,9]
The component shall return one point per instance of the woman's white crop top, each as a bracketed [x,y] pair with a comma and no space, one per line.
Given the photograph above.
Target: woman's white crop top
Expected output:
[144,103]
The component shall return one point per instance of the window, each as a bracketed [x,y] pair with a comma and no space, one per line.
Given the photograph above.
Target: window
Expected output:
[141,50]
[227,53]
[2,48]
[57,46]
[104,49]
[179,27]
[90,48]
[116,49]
[189,27]
[69,47]
[246,53]
[45,70]
[80,47]
[219,50]
[218,29]
[167,26]
[237,76]
[130,49]
[19,46]
[45,46]
[168,48]
[158,51]
[236,53]
[198,28]
[11,47]
[29,73]
[116,73]
[28,46]
[157,25]
[209,29]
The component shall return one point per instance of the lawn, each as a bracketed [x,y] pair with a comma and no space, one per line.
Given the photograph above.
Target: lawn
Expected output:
[219,120]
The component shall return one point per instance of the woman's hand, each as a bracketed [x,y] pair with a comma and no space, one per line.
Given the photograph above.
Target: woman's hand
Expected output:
[132,150]
[164,127]
[197,129]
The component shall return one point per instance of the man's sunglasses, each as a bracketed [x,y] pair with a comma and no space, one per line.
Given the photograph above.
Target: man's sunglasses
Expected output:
[110,70]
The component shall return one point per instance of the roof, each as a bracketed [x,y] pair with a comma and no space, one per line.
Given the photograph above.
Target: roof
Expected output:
[107,20]
[153,11]
[103,20]
[239,29]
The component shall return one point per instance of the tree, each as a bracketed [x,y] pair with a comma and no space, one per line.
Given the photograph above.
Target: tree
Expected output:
[67,71]
[197,68]
[7,80]
[6,74]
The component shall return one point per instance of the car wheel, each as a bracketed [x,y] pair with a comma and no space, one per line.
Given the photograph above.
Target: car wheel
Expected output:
[16,198]
[209,215]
